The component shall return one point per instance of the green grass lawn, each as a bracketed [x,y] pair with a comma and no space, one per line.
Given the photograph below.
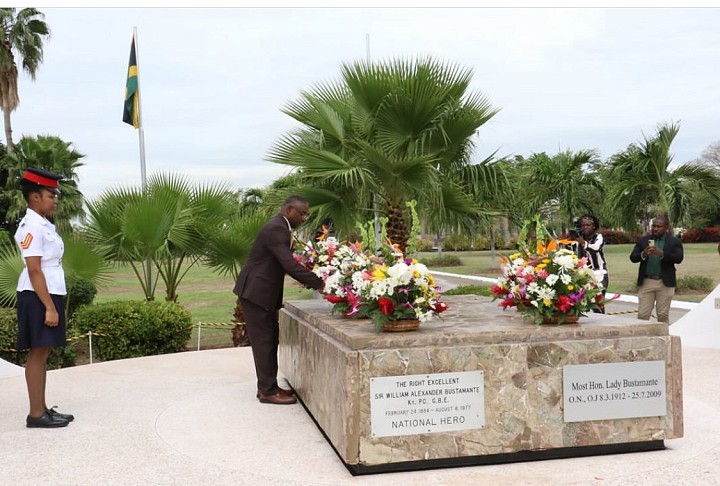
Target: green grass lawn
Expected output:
[209,297]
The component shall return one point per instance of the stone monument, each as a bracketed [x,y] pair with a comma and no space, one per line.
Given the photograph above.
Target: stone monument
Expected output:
[482,385]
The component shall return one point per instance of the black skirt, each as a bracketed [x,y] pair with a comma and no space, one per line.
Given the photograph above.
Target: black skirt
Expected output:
[32,330]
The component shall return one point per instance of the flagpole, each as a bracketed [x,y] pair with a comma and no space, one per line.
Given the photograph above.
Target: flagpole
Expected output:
[141,127]
[141,140]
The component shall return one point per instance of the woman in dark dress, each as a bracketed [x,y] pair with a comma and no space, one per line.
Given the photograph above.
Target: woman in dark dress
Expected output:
[40,292]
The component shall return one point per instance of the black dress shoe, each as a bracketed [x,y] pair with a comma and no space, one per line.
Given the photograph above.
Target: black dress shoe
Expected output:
[45,421]
[64,416]
[277,399]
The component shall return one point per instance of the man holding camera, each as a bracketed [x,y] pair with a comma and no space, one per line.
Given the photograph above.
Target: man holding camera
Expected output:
[657,253]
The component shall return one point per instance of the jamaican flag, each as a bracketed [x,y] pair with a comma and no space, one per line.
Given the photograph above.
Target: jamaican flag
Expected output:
[131,110]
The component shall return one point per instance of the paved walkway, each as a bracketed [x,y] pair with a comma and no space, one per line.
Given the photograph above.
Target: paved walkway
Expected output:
[192,418]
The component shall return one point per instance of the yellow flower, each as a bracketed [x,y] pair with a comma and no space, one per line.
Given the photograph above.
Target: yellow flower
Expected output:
[547,302]
[379,272]
[571,286]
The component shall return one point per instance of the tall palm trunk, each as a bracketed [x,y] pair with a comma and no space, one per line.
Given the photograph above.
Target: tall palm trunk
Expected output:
[397,227]
[8,130]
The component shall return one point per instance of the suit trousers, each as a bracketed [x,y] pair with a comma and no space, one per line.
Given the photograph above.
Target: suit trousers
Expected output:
[653,293]
[264,333]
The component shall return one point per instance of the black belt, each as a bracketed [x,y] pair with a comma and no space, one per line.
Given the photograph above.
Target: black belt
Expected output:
[654,277]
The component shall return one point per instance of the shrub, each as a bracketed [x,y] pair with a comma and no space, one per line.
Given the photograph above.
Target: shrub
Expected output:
[617,237]
[484,243]
[457,243]
[135,328]
[705,235]
[59,357]
[443,261]
[483,290]
[711,235]
[8,334]
[694,282]
[691,236]
[423,244]
[81,292]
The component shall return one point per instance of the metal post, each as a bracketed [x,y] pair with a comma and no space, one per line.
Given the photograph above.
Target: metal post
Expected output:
[90,346]
[199,332]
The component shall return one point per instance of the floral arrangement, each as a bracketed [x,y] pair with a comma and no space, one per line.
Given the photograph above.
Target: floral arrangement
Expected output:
[403,289]
[544,280]
[360,284]
[340,267]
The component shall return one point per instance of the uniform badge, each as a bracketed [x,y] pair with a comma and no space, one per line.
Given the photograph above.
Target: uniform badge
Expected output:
[25,244]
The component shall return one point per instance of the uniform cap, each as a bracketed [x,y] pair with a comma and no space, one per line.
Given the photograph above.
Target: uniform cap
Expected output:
[43,178]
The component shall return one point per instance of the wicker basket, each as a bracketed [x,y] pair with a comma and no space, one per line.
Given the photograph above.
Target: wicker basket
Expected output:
[556,320]
[401,325]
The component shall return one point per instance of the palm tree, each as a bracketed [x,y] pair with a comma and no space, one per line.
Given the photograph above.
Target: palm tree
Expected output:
[563,185]
[641,181]
[169,223]
[385,134]
[49,153]
[23,34]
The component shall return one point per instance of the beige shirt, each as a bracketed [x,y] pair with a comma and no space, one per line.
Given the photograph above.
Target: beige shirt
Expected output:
[36,236]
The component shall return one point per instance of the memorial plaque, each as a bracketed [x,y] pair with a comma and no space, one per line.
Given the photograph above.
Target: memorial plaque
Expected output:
[428,403]
[614,391]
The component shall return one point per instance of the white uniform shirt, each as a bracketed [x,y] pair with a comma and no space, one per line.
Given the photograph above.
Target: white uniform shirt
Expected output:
[36,236]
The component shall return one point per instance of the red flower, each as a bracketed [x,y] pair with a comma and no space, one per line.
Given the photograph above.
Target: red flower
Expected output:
[439,307]
[563,303]
[497,290]
[386,306]
[335,299]
[508,303]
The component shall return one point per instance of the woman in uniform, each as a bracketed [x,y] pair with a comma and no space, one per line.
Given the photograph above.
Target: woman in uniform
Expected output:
[40,292]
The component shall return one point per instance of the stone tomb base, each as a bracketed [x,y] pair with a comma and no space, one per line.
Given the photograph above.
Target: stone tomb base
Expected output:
[482,386]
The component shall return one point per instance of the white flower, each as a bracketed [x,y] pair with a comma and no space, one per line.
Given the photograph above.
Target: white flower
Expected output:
[565,259]
[400,272]
[551,279]
[546,293]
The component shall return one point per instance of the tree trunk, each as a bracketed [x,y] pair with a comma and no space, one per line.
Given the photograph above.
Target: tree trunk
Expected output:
[239,332]
[505,231]
[8,131]
[397,228]
[493,256]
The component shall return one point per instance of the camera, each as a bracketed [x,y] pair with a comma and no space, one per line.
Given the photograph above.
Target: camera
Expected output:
[574,233]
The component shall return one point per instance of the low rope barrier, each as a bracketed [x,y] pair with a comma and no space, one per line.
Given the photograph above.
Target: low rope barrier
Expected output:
[200,325]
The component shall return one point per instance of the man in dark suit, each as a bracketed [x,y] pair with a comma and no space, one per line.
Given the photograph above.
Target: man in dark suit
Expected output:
[657,253]
[260,288]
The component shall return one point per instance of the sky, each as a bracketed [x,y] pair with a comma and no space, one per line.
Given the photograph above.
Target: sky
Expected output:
[213,81]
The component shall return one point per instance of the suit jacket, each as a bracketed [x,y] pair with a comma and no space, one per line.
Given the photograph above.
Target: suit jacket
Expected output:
[672,254]
[262,278]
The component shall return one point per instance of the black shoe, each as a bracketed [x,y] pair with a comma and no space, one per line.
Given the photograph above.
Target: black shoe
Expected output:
[64,416]
[46,421]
